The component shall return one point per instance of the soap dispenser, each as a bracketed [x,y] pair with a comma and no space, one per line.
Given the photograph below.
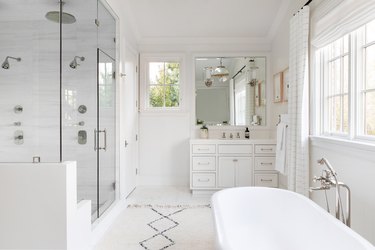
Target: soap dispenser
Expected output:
[247,133]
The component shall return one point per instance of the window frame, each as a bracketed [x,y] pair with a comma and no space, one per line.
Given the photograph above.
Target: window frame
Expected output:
[145,61]
[356,89]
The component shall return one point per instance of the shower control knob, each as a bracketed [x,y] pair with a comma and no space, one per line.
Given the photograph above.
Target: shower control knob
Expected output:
[82,109]
[18,109]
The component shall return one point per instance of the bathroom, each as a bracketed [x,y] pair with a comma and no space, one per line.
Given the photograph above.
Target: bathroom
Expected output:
[87,90]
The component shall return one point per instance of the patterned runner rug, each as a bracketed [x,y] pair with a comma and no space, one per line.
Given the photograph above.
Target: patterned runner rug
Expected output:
[157,227]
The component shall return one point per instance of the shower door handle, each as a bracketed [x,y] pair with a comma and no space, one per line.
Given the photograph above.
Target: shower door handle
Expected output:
[97,133]
[105,140]
[95,139]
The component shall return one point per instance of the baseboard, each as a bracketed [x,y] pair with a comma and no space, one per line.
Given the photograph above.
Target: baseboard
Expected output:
[102,224]
[154,180]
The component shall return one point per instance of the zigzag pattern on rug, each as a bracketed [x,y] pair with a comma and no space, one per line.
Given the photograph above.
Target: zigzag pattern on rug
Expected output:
[161,227]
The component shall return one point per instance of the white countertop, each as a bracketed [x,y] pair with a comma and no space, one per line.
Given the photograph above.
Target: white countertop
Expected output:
[234,141]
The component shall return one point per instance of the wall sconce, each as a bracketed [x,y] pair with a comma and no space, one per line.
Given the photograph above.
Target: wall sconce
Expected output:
[252,73]
[207,76]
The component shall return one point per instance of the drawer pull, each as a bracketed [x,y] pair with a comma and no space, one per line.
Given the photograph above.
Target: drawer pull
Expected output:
[267,180]
[235,160]
[266,149]
[266,163]
[203,180]
[203,149]
[203,163]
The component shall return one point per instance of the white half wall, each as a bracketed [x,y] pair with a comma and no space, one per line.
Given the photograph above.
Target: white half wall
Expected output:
[164,149]
[39,207]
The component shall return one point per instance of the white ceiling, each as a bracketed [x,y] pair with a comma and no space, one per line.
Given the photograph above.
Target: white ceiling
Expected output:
[206,18]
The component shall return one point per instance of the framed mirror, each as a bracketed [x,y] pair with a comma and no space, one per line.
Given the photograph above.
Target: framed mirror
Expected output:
[230,91]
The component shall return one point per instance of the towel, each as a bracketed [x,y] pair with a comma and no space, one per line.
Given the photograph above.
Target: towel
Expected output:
[280,165]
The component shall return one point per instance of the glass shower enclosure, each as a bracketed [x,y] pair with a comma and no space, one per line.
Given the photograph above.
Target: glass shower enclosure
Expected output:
[58,90]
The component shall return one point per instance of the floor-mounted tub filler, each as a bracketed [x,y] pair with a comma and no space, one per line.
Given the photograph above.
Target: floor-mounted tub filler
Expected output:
[274,219]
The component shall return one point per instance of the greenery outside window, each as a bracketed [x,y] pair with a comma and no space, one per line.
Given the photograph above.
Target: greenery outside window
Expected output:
[163,85]
[346,72]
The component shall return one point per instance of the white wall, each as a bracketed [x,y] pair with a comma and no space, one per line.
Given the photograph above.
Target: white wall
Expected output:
[164,138]
[355,167]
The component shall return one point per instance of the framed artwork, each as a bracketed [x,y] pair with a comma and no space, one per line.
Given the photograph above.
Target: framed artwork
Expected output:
[278,87]
[285,84]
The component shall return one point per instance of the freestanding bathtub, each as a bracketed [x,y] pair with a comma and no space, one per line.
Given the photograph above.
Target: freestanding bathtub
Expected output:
[257,218]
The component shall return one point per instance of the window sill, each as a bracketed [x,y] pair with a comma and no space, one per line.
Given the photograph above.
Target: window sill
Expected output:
[343,145]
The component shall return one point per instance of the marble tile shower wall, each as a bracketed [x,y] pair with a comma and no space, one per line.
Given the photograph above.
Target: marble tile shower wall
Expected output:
[32,83]
[79,88]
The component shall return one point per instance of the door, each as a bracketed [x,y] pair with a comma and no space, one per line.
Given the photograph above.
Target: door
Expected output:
[106,133]
[129,147]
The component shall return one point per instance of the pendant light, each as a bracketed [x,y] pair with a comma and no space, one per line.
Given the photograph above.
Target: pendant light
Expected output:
[221,72]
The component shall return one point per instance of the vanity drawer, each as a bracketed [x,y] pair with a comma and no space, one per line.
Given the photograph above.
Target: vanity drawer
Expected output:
[204,163]
[266,180]
[265,149]
[204,180]
[235,149]
[264,163]
[204,149]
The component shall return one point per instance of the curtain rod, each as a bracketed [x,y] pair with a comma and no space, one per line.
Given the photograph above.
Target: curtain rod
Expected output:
[306,4]
[240,71]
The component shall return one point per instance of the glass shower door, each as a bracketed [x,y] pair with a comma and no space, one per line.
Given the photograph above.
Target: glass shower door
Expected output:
[106,131]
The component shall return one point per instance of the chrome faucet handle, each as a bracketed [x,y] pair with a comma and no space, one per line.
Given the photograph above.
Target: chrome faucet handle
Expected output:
[223,136]
[231,136]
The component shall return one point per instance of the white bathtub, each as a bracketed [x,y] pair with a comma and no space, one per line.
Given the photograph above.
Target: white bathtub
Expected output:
[256,218]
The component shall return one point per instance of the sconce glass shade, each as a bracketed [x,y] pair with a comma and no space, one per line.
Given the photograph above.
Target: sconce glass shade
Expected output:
[252,73]
[207,76]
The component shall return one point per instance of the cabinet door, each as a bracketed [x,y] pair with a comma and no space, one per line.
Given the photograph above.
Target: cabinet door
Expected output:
[244,171]
[226,175]
[235,172]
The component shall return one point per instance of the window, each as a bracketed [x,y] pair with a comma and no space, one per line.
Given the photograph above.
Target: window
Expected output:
[367,92]
[346,69]
[336,91]
[163,84]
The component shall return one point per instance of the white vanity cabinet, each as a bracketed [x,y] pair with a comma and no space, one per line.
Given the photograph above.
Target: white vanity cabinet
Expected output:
[264,166]
[218,164]
[234,172]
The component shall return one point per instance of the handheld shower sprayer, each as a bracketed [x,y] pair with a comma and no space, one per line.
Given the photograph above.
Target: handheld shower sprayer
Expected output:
[74,63]
[6,64]
[329,166]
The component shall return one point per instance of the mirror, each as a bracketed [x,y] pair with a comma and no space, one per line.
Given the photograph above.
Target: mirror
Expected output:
[230,91]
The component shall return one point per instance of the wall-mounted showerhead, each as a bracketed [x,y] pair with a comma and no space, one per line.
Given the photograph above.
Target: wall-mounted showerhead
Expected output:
[6,64]
[74,63]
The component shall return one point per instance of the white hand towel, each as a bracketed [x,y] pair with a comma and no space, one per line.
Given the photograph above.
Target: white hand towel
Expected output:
[280,163]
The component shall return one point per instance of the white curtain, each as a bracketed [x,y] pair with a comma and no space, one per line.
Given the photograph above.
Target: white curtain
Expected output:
[298,103]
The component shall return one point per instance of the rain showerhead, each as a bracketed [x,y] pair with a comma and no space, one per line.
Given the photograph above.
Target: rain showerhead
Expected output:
[74,63]
[66,18]
[6,64]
